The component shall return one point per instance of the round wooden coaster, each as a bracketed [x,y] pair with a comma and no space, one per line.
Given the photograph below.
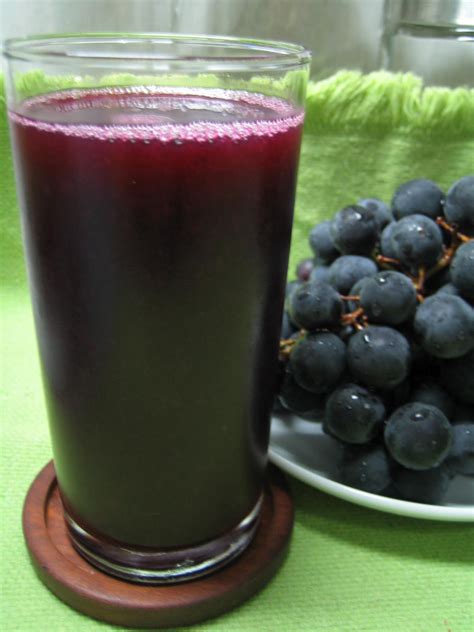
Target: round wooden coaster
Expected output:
[98,595]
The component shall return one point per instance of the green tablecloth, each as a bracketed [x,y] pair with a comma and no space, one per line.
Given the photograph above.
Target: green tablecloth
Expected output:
[349,568]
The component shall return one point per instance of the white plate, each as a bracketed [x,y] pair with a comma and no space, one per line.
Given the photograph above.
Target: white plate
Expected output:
[302,449]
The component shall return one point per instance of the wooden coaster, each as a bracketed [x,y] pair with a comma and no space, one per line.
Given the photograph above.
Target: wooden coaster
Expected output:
[98,595]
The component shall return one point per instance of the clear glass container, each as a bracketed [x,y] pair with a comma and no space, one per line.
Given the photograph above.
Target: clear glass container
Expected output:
[434,39]
[156,176]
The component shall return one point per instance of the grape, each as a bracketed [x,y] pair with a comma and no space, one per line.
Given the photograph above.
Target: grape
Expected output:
[320,274]
[296,399]
[422,197]
[382,213]
[410,335]
[448,288]
[322,243]
[353,414]
[418,436]
[388,297]
[461,455]
[417,241]
[425,486]
[445,325]
[354,230]
[304,269]
[287,328]
[462,269]
[429,392]
[386,246]
[367,468]
[459,206]
[397,396]
[379,356]
[355,291]
[348,269]
[315,305]
[318,362]
[457,376]
[291,286]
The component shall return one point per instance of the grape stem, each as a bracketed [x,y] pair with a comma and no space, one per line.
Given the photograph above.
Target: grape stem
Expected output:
[451,228]
[457,239]
[355,297]
[387,261]
[354,318]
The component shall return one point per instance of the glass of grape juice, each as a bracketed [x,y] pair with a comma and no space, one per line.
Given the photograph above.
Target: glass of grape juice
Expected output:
[156,177]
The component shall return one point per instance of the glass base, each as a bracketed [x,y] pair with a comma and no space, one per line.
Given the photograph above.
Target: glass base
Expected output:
[147,566]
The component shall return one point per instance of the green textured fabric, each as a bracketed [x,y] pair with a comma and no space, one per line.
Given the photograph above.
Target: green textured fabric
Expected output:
[349,568]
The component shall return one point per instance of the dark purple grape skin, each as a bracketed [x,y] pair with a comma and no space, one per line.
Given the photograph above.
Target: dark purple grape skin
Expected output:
[388,297]
[320,274]
[287,327]
[365,467]
[354,230]
[386,246]
[420,196]
[397,396]
[462,269]
[353,414]
[445,326]
[295,398]
[382,213]
[315,305]
[457,376]
[318,362]
[425,486]
[322,244]
[379,357]
[418,436]
[429,392]
[449,288]
[460,458]
[352,305]
[291,286]
[417,242]
[459,205]
[304,269]
[349,269]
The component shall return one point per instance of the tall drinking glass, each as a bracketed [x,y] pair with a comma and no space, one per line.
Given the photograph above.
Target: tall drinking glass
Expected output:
[156,176]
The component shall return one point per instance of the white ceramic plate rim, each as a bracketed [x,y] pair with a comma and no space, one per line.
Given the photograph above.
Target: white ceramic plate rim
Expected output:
[366,499]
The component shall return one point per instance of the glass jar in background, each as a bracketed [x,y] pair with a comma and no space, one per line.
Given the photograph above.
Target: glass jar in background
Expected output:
[431,38]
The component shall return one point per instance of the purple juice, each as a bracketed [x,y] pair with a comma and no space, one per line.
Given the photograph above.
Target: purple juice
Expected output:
[157,228]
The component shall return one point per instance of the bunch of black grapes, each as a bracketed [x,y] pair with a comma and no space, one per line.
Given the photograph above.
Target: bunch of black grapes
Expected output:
[378,339]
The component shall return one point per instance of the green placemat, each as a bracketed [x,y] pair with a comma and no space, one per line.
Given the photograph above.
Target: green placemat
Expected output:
[349,568]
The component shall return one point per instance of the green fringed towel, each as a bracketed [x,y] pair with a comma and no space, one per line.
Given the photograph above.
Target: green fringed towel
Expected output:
[364,134]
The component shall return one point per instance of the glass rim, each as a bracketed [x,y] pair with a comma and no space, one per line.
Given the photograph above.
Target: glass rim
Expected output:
[258,54]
